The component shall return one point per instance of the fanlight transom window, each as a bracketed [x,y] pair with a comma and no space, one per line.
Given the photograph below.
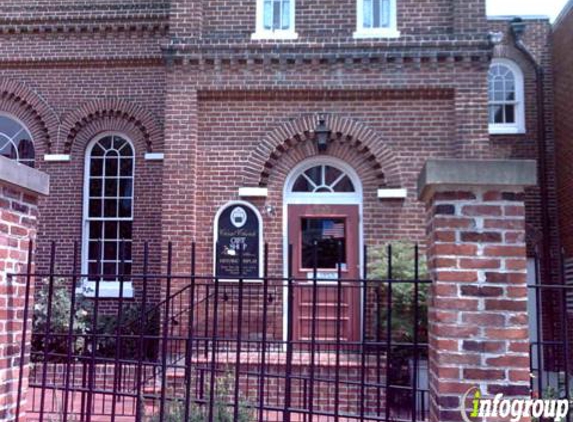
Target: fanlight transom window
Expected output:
[15,141]
[323,178]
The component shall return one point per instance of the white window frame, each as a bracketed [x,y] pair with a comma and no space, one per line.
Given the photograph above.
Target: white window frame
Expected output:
[107,289]
[280,34]
[390,32]
[519,126]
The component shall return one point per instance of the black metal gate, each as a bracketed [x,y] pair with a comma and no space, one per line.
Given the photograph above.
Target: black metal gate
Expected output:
[224,351]
[551,333]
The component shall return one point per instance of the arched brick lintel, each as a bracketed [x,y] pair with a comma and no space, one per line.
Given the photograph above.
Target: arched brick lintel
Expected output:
[111,109]
[108,124]
[28,106]
[357,135]
[508,51]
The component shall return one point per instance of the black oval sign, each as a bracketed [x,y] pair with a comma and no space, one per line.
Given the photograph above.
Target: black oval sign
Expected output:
[238,243]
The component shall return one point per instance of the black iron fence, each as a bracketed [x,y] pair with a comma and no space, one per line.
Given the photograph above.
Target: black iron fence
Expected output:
[551,335]
[268,348]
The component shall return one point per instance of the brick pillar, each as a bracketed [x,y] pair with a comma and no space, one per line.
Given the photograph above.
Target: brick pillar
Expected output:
[180,168]
[20,187]
[478,324]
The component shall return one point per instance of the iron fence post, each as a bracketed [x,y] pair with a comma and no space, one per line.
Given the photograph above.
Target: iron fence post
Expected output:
[162,403]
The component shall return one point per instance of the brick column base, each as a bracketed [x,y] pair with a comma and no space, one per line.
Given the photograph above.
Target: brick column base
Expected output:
[20,187]
[478,323]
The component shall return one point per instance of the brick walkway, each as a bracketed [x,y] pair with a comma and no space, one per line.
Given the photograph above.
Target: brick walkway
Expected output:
[125,406]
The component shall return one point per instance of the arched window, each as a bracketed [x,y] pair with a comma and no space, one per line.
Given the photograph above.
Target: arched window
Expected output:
[16,141]
[108,213]
[323,178]
[505,98]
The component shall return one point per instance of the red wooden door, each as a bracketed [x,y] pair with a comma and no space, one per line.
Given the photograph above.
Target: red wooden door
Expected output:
[334,229]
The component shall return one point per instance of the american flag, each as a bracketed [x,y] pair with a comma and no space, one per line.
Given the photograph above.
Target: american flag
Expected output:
[332,229]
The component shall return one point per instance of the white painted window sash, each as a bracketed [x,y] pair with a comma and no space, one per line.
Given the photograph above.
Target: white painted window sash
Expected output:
[111,288]
[519,103]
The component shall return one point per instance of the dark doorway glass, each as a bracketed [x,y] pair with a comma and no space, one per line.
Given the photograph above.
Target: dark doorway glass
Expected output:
[330,237]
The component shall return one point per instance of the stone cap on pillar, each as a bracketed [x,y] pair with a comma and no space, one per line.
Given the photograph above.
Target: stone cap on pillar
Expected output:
[23,177]
[452,174]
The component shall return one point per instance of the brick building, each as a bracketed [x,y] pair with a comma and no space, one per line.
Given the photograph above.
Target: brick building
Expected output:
[230,125]
[563,70]
[153,116]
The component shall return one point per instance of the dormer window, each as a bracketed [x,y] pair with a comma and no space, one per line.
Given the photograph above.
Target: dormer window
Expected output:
[275,20]
[376,19]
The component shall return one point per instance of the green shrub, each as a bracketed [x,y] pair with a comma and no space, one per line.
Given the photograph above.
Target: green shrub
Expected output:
[403,294]
[83,327]
[403,301]
[222,412]
[59,321]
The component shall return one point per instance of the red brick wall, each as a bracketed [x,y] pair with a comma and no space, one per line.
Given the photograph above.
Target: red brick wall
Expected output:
[541,241]
[80,93]
[217,104]
[563,86]
[563,70]
[478,322]
[249,117]
[335,19]
[537,38]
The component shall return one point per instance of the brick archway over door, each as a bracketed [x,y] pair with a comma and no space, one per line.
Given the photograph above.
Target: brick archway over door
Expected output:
[294,132]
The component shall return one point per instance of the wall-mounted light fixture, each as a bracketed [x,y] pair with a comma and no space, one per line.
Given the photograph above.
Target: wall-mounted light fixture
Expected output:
[269,210]
[322,134]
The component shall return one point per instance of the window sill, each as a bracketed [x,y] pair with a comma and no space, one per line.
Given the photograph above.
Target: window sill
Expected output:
[274,35]
[107,289]
[379,33]
[506,130]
